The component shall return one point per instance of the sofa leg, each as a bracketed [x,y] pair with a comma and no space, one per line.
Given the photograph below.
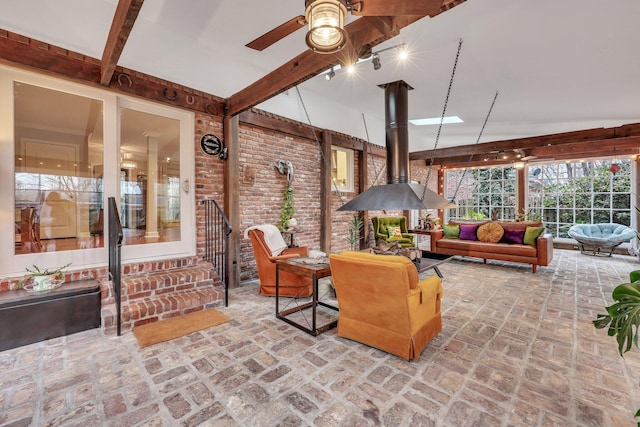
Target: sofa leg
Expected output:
[534,267]
[484,260]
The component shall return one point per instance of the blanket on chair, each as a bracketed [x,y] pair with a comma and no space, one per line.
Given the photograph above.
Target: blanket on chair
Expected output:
[272,237]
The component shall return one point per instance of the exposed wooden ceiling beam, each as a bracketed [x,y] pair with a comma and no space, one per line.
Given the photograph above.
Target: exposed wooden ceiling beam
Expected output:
[364,33]
[123,20]
[304,66]
[24,52]
[593,136]
[576,149]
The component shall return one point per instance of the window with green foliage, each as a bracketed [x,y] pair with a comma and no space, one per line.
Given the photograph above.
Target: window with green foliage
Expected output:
[482,192]
[580,192]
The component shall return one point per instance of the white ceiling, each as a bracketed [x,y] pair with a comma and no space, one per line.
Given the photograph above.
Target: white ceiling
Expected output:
[558,65]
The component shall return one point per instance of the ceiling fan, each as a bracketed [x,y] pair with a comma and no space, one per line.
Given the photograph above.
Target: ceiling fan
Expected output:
[520,154]
[314,10]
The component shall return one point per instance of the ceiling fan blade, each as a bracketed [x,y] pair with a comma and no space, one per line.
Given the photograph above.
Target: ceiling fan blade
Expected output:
[395,8]
[278,33]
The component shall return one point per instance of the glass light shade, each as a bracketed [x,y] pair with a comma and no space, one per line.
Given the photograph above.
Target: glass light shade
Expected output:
[326,25]
[614,168]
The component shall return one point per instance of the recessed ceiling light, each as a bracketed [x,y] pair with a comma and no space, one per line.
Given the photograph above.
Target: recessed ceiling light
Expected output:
[436,121]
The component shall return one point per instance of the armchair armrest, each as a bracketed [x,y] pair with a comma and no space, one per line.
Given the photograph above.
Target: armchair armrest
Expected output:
[426,297]
[298,250]
[289,253]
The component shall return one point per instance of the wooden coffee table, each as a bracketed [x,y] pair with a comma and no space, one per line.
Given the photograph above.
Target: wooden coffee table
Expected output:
[432,260]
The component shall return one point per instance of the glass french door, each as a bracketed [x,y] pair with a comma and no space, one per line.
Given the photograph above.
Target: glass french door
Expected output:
[155,198]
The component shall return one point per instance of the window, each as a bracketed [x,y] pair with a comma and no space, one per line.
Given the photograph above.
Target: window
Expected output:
[576,192]
[482,193]
[342,169]
[58,170]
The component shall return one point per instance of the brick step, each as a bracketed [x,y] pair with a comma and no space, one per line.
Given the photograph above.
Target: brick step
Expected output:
[166,281]
[157,295]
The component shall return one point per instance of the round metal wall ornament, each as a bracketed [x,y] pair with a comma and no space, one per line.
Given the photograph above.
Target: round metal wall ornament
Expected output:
[211,144]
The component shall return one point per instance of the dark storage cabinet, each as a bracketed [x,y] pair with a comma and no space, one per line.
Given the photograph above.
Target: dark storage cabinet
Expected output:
[28,317]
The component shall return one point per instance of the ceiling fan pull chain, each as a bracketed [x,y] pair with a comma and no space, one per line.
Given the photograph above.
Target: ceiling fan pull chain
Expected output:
[444,111]
[475,147]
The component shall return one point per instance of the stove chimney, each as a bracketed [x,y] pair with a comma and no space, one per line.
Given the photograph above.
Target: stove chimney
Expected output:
[398,194]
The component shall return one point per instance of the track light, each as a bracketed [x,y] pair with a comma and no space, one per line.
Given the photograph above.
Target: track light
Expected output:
[376,61]
[331,74]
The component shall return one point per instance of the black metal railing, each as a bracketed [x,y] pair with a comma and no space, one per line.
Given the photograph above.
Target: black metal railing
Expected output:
[217,231]
[115,259]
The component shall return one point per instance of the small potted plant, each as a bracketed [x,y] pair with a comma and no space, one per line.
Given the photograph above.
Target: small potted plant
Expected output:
[46,279]
[355,226]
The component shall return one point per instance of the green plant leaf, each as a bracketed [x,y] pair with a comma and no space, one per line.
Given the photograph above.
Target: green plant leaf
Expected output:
[623,317]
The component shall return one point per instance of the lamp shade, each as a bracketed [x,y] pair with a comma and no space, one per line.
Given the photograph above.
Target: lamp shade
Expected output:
[326,25]
[614,168]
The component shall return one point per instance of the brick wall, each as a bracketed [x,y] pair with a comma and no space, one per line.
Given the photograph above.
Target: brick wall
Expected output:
[209,174]
[262,186]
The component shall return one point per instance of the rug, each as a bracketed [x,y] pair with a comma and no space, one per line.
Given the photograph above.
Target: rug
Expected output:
[165,330]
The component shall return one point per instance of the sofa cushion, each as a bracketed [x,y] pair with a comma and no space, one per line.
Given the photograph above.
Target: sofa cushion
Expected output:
[531,235]
[394,231]
[468,231]
[513,236]
[489,248]
[490,232]
[451,231]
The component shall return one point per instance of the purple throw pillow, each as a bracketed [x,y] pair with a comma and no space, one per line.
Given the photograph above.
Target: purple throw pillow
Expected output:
[513,236]
[468,232]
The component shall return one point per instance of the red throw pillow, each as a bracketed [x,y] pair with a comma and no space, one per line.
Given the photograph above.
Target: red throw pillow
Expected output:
[468,232]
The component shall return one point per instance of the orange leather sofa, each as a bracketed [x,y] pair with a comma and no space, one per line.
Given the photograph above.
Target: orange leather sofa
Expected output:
[383,303]
[539,254]
[290,284]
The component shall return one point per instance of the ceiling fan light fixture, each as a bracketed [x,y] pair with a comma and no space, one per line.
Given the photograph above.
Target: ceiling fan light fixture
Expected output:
[326,25]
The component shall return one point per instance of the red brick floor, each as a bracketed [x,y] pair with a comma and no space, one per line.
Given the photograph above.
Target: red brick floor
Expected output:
[517,349]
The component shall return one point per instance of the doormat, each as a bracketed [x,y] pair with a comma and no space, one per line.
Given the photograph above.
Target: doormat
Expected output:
[165,330]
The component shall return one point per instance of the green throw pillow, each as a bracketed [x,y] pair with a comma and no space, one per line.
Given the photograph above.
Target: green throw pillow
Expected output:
[531,235]
[395,231]
[451,231]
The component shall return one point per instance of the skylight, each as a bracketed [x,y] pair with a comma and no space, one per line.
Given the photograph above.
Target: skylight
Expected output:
[436,121]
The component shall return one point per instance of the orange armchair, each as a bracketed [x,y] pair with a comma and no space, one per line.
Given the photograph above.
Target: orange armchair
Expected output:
[290,284]
[384,304]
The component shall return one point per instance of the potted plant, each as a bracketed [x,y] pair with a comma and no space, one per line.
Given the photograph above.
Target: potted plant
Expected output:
[623,318]
[287,211]
[38,279]
[355,226]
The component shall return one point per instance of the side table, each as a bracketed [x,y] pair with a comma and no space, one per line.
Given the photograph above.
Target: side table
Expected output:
[290,235]
[314,272]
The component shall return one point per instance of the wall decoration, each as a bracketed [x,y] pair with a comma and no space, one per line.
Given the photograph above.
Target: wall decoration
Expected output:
[212,146]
